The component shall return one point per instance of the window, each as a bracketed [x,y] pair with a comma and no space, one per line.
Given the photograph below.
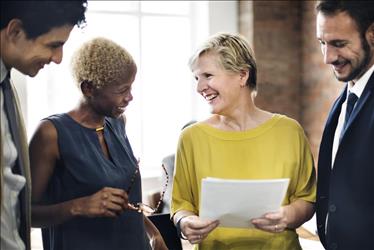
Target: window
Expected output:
[161,36]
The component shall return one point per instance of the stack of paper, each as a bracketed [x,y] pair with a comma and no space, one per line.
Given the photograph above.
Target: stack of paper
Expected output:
[235,202]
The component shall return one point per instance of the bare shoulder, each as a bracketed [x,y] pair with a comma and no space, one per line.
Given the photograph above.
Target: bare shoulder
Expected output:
[44,139]
[46,130]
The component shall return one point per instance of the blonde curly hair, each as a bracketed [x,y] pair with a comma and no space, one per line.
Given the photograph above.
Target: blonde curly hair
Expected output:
[102,62]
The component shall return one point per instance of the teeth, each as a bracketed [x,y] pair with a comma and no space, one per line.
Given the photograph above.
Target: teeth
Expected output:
[210,97]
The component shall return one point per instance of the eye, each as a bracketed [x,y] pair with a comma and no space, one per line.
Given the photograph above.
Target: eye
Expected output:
[126,90]
[122,91]
[339,44]
[55,45]
[207,75]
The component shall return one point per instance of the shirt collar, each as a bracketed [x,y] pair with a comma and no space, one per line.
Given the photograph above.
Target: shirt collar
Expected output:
[4,71]
[359,86]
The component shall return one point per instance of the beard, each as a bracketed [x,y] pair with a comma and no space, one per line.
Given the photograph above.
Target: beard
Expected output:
[361,68]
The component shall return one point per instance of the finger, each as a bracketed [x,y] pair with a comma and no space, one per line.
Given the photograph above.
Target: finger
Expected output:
[119,192]
[132,207]
[209,228]
[262,222]
[114,191]
[271,228]
[118,200]
[198,223]
[118,196]
[109,213]
[109,198]
[264,228]
[191,230]
[273,216]
[195,239]
[201,233]
[112,206]
[104,212]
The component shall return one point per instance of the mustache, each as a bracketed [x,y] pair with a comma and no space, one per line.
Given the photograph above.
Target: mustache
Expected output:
[339,62]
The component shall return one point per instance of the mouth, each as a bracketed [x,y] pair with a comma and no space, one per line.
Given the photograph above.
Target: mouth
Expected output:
[41,65]
[209,97]
[338,67]
[121,109]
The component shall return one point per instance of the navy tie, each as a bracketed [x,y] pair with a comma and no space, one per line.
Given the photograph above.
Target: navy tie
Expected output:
[10,111]
[352,99]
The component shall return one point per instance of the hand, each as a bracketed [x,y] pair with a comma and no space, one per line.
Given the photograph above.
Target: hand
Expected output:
[272,222]
[108,202]
[196,229]
[157,242]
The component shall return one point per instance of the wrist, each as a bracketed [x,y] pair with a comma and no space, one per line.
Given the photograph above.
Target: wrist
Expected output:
[286,216]
[179,229]
[75,208]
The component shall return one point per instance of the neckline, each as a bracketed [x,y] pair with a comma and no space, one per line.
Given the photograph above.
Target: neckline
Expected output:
[239,135]
[84,127]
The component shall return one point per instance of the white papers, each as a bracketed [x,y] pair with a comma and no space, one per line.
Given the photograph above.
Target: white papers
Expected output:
[235,202]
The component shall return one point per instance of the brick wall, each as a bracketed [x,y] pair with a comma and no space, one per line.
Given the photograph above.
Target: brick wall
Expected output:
[292,78]
[319,86]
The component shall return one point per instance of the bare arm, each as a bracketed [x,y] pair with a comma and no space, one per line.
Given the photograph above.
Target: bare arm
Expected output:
[157,242]
[44,153]
[298,212]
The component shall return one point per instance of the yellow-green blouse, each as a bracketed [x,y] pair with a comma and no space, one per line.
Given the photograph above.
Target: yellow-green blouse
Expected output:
[276,149]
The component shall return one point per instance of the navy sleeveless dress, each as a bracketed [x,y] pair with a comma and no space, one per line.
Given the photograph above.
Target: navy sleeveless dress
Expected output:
[83,170]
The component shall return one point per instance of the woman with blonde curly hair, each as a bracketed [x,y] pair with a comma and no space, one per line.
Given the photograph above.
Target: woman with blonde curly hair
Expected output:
[84,173]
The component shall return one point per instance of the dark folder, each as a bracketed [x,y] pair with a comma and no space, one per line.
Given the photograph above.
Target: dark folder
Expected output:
[167,230]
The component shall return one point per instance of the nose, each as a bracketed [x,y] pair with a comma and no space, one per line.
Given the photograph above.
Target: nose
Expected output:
[129,97]
[201,86]
[57,55]
[330,54]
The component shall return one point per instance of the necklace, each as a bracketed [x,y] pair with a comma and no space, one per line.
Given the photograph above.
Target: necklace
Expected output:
[99,129]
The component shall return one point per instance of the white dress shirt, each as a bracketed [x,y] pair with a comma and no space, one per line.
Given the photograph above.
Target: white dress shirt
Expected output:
[12,183]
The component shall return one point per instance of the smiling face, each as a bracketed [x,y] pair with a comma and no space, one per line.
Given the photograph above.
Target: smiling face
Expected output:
[219,87]
[349,54]
[111,100]
[30,55]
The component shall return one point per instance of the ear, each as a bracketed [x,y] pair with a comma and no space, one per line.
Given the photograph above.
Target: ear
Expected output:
[14,30]
[244,74]
[370,35]
[87,88]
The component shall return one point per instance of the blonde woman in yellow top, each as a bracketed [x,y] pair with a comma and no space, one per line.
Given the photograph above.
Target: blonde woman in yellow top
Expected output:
[240,141]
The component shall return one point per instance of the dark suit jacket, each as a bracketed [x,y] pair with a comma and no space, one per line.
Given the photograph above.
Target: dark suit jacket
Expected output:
[346,192]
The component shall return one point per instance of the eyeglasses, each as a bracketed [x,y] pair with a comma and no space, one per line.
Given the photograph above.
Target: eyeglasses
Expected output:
[144,208]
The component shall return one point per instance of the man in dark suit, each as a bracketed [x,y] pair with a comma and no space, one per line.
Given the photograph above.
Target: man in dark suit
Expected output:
[345,190]
[32,35]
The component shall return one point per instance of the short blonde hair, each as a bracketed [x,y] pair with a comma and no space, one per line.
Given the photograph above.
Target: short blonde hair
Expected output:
[101,62]
[234,53]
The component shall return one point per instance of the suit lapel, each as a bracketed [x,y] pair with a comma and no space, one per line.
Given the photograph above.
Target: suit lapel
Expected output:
[325,152]
[361,102]
[332,120]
